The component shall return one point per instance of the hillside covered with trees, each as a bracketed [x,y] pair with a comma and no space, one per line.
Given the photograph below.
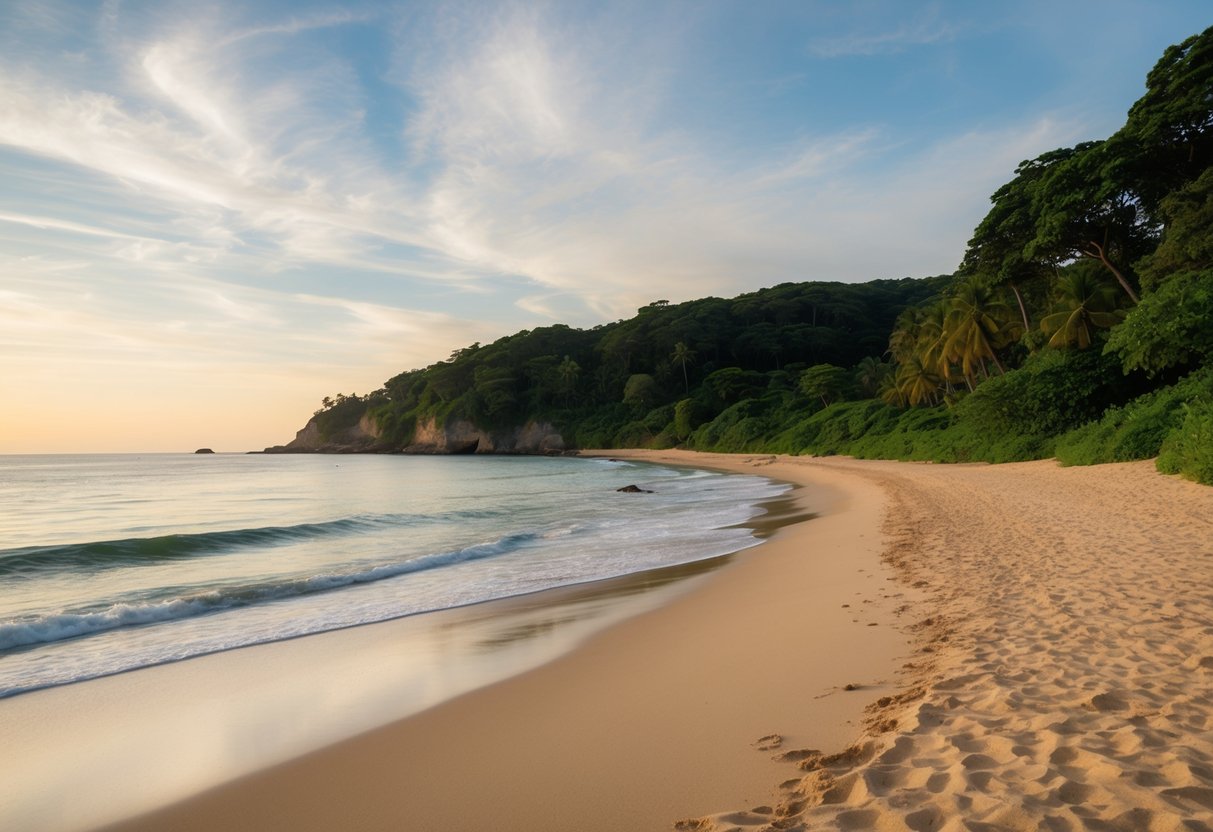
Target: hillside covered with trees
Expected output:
[1078,325]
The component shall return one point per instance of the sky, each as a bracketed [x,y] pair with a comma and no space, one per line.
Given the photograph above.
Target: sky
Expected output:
[214,215]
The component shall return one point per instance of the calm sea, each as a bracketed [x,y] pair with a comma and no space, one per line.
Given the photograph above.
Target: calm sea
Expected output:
[109,563]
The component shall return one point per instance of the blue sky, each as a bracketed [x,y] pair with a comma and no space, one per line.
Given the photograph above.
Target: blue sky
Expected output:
[213,215]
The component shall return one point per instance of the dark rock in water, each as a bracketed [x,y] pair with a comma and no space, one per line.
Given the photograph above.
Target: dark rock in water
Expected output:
[634,489]
[204,451]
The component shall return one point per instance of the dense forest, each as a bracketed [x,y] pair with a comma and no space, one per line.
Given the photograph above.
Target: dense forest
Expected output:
[1079,324]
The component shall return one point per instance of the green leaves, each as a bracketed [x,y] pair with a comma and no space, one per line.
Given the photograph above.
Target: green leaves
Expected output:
[1170,128]
[1173,325]
[826,382]
[1083,305]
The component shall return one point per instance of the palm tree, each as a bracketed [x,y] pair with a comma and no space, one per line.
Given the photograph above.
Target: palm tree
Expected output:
[1083,304]
[934,332]
[903,341]
[980,324]
[916,383]
[869,373]
[568,371]
[890,393]
[683,355]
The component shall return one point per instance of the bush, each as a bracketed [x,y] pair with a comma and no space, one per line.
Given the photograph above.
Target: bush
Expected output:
[633,435]
[1188,450]
[1169,327]
[746,435]
[657,418]
[1055,391]
[664,441]
[688,415]
[710,437]
[1137,430]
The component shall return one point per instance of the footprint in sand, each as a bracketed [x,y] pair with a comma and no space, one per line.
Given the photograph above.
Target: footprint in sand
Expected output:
[768,743]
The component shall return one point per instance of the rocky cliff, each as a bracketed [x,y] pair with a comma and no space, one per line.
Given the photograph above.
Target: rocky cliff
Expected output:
[457,437]
[363,437]
[462,437]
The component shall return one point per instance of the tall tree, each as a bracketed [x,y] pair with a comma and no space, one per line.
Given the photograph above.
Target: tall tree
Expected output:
[824,381]
[916,383]
[683,355]
[1169,131]
[997,251]
[1085,207]
[568,372]
[979,326]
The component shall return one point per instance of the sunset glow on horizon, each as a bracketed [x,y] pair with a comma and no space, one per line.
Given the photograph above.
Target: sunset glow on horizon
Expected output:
[214,215]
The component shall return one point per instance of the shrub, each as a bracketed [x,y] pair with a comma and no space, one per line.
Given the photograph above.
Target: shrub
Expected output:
[633,435]
[1169,327]
[1188,450]
[688,415]
[1055,391]
[1137,430]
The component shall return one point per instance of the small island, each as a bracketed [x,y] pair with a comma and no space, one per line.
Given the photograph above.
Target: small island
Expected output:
[204,451]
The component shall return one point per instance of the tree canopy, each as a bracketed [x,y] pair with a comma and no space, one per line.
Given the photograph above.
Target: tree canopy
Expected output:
[1091,276]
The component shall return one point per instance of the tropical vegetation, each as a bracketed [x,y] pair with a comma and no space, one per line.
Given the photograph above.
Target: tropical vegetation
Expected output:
[1079,324]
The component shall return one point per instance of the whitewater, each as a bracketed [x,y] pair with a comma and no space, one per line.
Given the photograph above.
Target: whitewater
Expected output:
[110,563]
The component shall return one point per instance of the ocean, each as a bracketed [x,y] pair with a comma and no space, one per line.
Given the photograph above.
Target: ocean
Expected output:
[110,563]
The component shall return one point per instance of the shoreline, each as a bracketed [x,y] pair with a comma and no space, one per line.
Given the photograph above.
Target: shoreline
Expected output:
[666,706]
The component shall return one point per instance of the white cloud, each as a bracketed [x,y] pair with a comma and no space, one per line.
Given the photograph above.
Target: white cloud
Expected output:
[183,208]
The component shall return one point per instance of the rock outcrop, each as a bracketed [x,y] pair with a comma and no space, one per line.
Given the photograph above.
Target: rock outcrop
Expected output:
[462,437]
[363,437]
[457,437]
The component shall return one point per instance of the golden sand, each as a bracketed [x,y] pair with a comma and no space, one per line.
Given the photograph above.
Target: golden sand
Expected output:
[667,715]
[1054,633]
[1063,670]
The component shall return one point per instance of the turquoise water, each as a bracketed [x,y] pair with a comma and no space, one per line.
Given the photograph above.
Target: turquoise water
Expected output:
[109,563]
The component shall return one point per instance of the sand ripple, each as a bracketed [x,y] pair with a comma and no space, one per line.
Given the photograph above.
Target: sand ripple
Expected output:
[1063,674]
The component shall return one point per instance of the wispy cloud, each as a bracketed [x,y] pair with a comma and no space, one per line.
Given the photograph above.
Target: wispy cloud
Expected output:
[340,194]
[927,30]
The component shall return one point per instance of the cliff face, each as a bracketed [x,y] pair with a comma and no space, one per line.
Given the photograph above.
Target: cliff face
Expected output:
[362,437]
[462,437]
[458,437]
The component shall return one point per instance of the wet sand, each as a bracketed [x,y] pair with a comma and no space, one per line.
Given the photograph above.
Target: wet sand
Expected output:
[677,712]
[1041,658]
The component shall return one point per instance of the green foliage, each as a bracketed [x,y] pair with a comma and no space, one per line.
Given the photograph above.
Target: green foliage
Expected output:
[1188,449]
[599,429]
[979,324]
[1067,243]
[825,382]
[734,429]
[1173,325]
[870,374]
[688,415]
[1083,304]
[640,391]
[659,418]
[1187,244]
[1168,133]
[1136,430]
[1054,391]
[343,412]
[632,435]
[732,384]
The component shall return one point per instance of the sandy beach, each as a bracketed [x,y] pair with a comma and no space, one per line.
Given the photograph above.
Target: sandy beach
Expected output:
[666,716]
[1063,670]
[1029,647]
